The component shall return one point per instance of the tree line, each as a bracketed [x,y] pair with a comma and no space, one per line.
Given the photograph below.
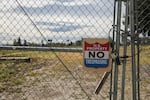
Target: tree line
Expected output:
[49,43]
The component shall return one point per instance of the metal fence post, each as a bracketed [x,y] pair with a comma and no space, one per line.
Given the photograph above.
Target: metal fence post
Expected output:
[113,40]
[117,49]
[138,50]
[125,51]
[132,28]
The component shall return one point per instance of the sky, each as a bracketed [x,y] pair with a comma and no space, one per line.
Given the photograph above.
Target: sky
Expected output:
[58,20]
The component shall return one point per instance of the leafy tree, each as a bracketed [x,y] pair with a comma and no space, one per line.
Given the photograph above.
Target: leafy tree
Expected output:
[70,44]
[78,43]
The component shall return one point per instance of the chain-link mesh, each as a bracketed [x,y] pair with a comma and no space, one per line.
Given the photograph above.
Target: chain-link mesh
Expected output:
[143,20]
[143,10]
[42,41]
[50,26]
[56,21]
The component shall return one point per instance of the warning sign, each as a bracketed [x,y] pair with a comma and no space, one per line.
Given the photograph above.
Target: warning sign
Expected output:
[96,53]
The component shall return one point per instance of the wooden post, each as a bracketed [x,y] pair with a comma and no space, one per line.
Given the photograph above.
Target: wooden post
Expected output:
[101,82]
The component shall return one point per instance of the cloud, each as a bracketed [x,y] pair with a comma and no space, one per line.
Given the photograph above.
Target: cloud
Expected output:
[74,8]
[60,26]
[65,0]
[59,20]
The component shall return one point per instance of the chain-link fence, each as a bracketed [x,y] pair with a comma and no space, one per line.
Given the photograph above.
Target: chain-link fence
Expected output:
[54,22]
[51,31]
[41,48]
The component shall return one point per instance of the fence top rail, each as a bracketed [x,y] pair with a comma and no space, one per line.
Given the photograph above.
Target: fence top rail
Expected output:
[54,49]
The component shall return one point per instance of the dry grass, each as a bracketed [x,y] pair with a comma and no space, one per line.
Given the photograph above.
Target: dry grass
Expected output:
[46,72]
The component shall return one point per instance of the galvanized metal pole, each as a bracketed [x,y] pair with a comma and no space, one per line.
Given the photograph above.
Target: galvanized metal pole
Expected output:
[138,68]
[124,51]
[138,50]
[132,29]
[117,49]
[113,43]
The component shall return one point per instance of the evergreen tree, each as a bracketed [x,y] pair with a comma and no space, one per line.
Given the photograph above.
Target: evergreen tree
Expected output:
[25,42]
[19,41]
[42,43]
[15,42]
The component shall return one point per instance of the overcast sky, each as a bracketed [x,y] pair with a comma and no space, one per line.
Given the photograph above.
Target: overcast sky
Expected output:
[59,20]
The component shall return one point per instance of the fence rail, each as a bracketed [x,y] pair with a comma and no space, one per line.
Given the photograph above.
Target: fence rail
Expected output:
[28,28]
[56,49]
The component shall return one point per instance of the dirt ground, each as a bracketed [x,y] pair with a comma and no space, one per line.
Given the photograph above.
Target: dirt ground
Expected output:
[48,84]
[49,79]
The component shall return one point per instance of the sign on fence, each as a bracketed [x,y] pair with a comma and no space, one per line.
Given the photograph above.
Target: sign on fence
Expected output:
[96,54]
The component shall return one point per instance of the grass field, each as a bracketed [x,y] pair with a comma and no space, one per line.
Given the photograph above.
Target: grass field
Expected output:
[17,77]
